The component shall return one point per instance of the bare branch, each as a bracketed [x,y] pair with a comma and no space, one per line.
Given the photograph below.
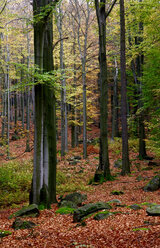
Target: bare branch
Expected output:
[65,38]
[110,9]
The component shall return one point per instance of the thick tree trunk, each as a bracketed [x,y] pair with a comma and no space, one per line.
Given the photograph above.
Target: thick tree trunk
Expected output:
[104,158]
[125,152]
[44,174]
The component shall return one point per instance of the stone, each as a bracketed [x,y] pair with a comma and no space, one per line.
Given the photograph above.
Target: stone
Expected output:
[77,157]
[30,211]
[154,210]
[68,204]
[117,192]
[118,164]
[153,184]
[135,207]
[88,209]
[73,200]
[116,201]
[102,216]
[20,224]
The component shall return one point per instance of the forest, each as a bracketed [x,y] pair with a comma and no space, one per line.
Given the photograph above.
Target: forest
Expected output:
[79,123]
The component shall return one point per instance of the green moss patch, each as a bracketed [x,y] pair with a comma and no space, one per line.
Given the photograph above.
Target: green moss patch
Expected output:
[65,210]
[4,233]
[140,229]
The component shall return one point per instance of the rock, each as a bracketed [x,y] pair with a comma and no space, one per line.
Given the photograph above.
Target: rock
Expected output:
[88,209]
[154,210]
[20,224]
[68,204]
[4,233]
[153,184]
[77,157]
[30,211]
[154,164]
[118,164]
[74,162]
[102,216]
[139,178]
[135,207]
[117,192]
[116,201]
[76,199]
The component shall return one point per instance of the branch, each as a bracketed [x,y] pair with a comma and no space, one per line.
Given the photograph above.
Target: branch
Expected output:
[3,7]
[55,44]
[110,9]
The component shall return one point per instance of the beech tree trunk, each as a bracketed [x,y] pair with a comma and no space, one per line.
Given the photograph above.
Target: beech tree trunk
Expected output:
[103,158]
[125,152]
[44,174]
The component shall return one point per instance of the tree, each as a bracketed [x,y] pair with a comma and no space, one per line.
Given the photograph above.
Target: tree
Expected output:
[125,152]
[101,18]
[44,173]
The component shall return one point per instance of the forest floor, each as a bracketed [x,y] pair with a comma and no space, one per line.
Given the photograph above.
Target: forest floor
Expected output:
[128,228]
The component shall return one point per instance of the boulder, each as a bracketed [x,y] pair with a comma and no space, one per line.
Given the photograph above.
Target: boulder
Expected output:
[73,200]
[117,192]
[154,210]
[68,204]
[30,211]
[153,184]
[135,207]
[115,201]
[102,216]
[20,224]
[88,209]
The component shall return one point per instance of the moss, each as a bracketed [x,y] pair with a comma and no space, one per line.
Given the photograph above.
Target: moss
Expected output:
[4,233]
[140,229]
[117,192]
[65,210]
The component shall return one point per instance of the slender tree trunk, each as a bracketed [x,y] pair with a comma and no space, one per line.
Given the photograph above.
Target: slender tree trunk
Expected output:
[115,128]
[64,124]
[28,96]
[125,152]
[104,158]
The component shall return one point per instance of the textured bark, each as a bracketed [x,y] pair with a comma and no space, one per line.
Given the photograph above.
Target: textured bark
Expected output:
[115,126]
[44,174]
[101,18]
[125,152]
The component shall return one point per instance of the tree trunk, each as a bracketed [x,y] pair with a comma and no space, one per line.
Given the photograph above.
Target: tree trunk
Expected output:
[104,158]
[125,152]
[44,174]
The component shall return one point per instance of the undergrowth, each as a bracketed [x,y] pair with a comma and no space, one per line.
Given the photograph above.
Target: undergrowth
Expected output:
[15,183]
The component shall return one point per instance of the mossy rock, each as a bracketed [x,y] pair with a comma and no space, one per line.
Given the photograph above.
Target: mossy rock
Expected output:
[153,184]
[30,211]
[102,215]
[115,201]
[20,224]
[4,233]
[88,209]
[135,207]
[117,192]
[149,204]
[154,210]
[65,210]
[73,200]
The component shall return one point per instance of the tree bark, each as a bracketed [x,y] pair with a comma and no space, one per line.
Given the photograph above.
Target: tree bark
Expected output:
[104,158]
[44,174]
[125,152]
